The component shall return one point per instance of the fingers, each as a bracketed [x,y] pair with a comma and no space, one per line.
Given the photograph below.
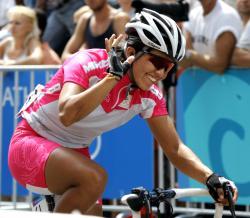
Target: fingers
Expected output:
[223,200]
[117,40]
[221,196]
[112,42]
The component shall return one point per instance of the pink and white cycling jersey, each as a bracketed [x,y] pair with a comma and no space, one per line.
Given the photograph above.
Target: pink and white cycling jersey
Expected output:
[86,68]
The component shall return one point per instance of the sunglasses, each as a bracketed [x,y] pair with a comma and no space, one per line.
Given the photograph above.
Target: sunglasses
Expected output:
[160,62]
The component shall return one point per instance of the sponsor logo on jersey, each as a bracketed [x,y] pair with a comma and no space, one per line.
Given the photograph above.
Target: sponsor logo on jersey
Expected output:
[156,92]
[95,65]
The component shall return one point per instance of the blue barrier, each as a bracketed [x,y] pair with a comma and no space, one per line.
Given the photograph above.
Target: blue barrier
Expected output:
[9,95]
[127,155]
[213,119]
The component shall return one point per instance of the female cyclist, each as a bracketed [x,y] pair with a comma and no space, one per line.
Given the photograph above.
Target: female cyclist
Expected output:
[93,92]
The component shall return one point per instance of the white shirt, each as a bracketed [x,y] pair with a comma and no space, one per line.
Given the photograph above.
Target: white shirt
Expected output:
[206,29]
[244,41]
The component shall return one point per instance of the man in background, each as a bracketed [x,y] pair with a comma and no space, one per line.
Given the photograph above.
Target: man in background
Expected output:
[96,24]
[212,32]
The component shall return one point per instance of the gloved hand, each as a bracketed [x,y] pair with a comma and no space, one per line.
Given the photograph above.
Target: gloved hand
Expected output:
[215,185]
[116,67]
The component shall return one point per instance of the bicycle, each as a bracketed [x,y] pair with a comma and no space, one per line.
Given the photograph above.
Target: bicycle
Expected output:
[141,201]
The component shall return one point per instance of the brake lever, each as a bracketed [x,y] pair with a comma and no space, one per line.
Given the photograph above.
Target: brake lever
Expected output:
[228,193]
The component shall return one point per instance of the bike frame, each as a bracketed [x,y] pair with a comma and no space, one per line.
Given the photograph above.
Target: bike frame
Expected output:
[179,193]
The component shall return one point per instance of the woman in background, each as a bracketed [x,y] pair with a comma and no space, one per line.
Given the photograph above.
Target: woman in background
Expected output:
[23,45]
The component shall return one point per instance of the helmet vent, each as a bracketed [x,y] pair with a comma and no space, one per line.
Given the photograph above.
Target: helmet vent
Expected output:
[144,20]
[151,37]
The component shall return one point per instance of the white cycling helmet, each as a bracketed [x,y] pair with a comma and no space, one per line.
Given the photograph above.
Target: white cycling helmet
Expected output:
[157,31]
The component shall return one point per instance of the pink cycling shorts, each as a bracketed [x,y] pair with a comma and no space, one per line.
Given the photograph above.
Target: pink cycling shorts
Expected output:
[28,153]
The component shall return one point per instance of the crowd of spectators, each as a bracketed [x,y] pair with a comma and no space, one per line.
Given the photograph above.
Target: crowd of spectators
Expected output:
[211,41]
[47,32]
[55,29]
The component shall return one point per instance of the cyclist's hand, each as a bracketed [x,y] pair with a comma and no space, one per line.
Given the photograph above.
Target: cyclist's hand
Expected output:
[116,67]
[216,184]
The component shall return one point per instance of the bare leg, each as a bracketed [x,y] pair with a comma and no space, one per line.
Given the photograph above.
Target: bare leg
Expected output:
[79,180]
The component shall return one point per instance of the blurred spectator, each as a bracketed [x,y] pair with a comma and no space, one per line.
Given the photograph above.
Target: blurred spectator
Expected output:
[193,4]
[23,46]
[177,10]
[231,2]
[50,57]
[60,25]
[241,55]
[211,33]
[243,8]
[94,26]
[4,7]
[79,12]
[30,3]
[126,6]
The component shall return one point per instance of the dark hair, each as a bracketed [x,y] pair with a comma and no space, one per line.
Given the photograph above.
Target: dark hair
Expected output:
[132,41]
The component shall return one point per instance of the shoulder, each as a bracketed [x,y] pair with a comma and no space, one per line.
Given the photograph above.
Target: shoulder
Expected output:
[32,44]
[227,13]
[229,19]
[84,18]
[195,16]
[81,11]
[195,12]
[6,41]
[119,21]
[120,16]
[90,59]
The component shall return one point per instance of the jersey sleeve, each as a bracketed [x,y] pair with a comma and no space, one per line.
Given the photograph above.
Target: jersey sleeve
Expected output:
[75,73]
[230,23]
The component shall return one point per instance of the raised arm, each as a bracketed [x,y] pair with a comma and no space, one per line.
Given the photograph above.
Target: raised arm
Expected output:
[77,39]
[75,103]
